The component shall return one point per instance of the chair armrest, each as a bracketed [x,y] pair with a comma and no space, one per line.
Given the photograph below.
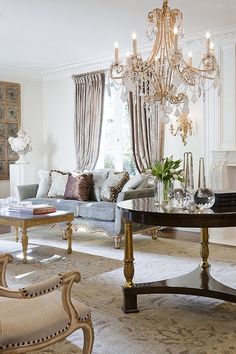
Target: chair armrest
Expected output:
[4,260]
[26,191]
[64,280]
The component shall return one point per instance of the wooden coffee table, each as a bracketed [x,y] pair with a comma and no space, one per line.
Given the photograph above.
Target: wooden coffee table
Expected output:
[24,222]
[199,281]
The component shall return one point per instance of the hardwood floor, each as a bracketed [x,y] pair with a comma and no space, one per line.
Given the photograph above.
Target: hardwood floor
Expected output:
[179,235]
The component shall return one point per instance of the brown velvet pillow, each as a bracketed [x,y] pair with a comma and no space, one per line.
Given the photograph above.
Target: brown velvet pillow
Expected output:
[79,186]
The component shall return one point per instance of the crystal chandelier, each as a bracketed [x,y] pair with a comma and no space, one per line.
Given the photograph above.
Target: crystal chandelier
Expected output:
[165,80]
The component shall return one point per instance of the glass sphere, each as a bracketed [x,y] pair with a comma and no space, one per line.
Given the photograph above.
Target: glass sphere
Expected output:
[204,198]
[177,198]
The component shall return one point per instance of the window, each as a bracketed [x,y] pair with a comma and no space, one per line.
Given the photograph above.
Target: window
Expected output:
[115,149]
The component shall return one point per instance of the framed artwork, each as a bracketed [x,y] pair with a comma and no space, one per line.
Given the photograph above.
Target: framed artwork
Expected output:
[10,119]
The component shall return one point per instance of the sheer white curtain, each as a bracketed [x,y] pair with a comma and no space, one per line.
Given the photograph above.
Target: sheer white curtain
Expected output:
[89,103]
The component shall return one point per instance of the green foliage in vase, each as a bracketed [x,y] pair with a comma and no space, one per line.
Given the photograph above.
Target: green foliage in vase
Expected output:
[168,169]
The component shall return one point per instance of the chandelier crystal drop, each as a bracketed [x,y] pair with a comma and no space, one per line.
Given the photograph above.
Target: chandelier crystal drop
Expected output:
[165,80]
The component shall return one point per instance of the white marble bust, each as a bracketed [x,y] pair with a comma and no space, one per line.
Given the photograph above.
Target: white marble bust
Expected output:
[21,145]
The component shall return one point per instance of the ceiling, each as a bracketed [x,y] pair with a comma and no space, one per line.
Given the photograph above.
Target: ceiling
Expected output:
[43,34]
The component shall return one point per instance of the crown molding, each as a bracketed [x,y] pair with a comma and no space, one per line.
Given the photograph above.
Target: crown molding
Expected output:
[223,35]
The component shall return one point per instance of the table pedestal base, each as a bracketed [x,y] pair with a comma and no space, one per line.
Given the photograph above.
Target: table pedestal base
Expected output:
[198,282]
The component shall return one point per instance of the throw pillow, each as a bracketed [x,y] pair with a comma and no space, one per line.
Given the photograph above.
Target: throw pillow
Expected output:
[58,185]
[79,186]
[99,177]
[113,185]
[44,184]
[136,182]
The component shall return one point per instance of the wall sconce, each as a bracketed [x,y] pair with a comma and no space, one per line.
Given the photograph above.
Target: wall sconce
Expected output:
[183,127]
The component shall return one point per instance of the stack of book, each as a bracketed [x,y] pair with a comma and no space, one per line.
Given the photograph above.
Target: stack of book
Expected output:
[33,209]
[227,199]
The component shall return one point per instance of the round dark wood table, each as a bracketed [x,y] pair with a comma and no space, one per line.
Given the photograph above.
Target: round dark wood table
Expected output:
[198,282]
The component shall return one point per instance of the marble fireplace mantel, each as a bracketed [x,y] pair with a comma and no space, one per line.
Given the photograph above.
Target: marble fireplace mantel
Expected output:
[223,171]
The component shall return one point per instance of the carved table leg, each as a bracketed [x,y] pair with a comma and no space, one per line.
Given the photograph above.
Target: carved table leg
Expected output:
[129,257]
[17,234]
[69,236]
[129,298]
[24,240]
[204,247]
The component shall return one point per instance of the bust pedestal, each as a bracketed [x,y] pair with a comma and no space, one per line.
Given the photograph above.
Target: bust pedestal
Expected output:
[20,174]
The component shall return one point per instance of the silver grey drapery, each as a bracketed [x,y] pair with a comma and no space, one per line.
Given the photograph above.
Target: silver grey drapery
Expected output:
[147,134]
[89,102]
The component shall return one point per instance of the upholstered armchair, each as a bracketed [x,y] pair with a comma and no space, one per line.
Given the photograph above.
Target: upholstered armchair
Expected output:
[39,315]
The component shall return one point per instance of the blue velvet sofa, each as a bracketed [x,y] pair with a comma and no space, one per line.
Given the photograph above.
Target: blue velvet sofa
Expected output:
[99,215]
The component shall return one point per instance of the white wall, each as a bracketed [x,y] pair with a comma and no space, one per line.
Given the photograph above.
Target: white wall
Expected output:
[58,122]
[174,146]
[31,119]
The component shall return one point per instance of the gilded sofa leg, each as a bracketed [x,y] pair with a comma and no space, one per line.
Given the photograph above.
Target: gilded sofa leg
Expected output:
[88,338]
[117,241]
[154,233]
[17,234]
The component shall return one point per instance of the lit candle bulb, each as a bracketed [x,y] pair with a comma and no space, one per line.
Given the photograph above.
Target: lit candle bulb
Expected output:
[208,42]
[135,48]
[211,46]
[175,39]
[116,45]
[190,57]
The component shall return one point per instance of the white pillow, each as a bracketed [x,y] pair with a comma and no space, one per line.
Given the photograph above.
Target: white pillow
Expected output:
[99,177]
[136,182]
[44,184]
[58,186]
[113,185]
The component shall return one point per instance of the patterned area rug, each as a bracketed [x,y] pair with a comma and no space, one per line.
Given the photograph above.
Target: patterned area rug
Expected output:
[166,324]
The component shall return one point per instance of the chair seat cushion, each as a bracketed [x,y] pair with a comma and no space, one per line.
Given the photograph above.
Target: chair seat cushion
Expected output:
[29,321]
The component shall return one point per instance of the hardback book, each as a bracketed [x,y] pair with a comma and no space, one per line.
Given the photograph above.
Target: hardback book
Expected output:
[33,209]
[223,198]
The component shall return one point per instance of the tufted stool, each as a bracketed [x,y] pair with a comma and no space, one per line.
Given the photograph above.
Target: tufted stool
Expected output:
[37,316]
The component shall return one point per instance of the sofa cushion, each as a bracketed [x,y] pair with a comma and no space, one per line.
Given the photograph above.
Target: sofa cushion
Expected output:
[58,185]
[113,185]
[99,177]
[60,204]
[79,186]
[44,183]
[97,210]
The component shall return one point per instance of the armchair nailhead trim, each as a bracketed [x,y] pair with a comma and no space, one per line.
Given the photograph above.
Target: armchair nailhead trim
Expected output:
[26,294]
[21,344]
[85,318]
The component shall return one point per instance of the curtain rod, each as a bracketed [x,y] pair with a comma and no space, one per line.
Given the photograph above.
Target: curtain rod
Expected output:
[89,73]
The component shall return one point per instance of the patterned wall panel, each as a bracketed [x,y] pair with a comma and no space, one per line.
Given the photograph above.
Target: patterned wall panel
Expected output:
[10,117]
